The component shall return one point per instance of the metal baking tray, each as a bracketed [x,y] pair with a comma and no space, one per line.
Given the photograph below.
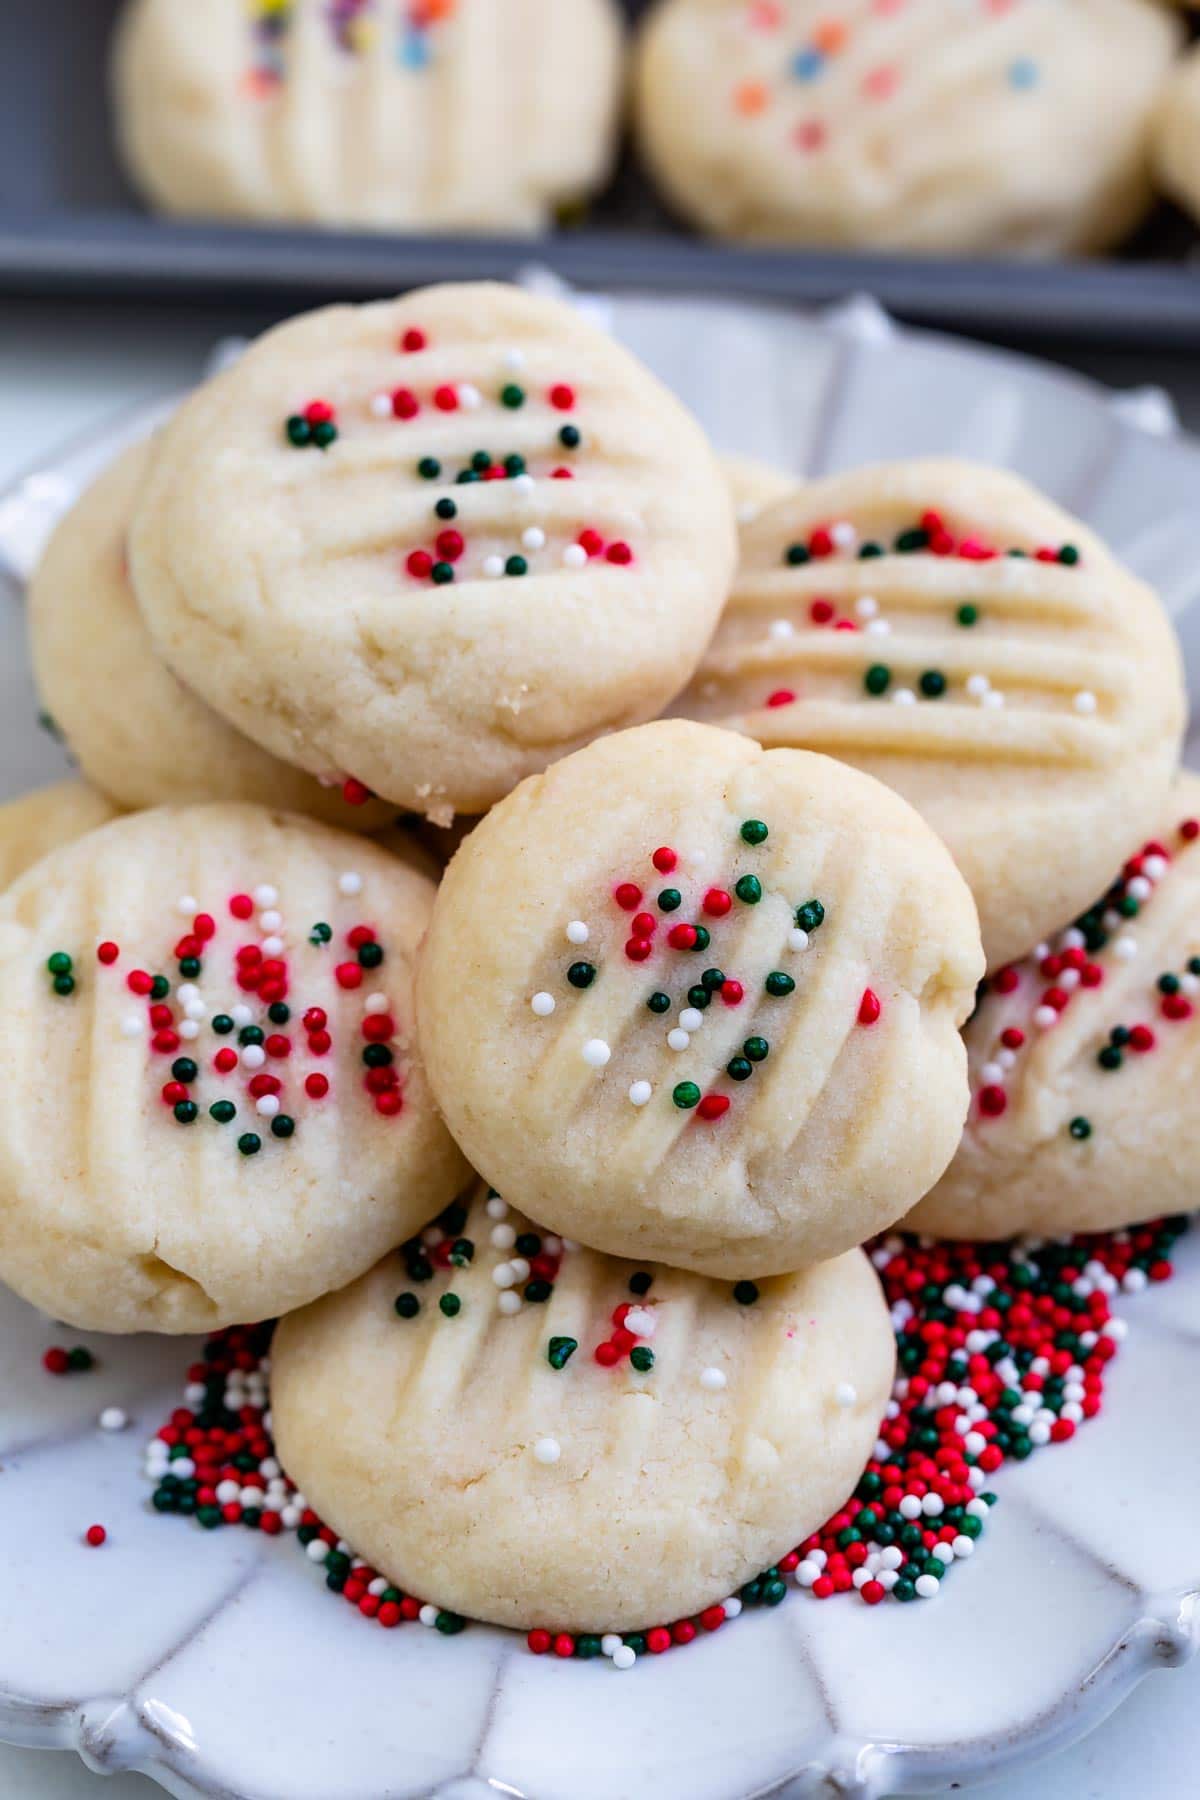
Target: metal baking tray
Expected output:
[71,227]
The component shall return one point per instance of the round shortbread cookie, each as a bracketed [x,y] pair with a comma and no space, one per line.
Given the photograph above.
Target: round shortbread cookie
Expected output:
[698,1002]
[469,115]
[213,1109]
[1085,1060]
[135,730]
[928,125]
[506,539]
[39,822]
[492,1463]
[754,485]
[1030,706]
[1177,134]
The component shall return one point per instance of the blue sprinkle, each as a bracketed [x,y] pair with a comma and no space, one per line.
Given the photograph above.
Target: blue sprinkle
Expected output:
[1024,73]
[808,65]
[414,51]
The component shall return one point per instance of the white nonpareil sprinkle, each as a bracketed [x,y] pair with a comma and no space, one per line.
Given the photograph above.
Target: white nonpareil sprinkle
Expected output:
[903,697]
[991,1074]
[806,1574]
[188,1028]
[733,1605]
[316,1550]
[350,882]
[376,1003]
[520,1268]
[503,1237]
[265,895]
[977,686]
[267,1106]
[866,606]
[993,698]
[381,406]
[575,556]
[610,1643]
[522,484]
[641,1321]
[272,946]
[253,1056]
[596,1053]
[1084,701]
[781,628]
[691,1019]
[427,1615]
[514,359]
[927,1586]
[910,1506]
[113,1419]
[504,1275]
[797,939]
[131,1026]
[496,1208]
[543,1005]
[509,1302]
[270,920]
[547,1450]
[1139,887]
[241,1014]
[713,1379]
[640,1093]
[577,932]
[469,396]
[186,903]
[534,538]
[1044,1017]
[624,1658]
[844,535]
[846,1394]
[677,1039]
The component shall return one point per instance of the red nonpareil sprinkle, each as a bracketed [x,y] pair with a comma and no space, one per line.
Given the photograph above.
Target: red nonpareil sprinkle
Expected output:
[348,975]
[781,697]
[107,952]
[315,1019]
[638,949]
[712,1618]
[619,553]
[319,1043]
[1012,1037]
[1176,1007]
[241,906]
[1190,829]
[419,564]
[606,1355]
[389,1104]
[562,397]
[358,935]
[645,925]
[539,1642]
[658,1640]
[316,1086]
[138,982]
[160,1016]
[378,1027]
[562,474]
[405,404]
[173,1093]
[628,896]
[869,1007]
[165,1042]
[682,937]
[664,859]
[95,1536]
[591,541]
[992,1101]
[732,992]
[445,398]
[717,903]
[1141,1038]
[713,1106]
[413,339]
[56,1361]
[821,611]
[820,542]
[355,792]
[450,545]
[225,1061]
[319,412]
[261,1084]
[1004,981]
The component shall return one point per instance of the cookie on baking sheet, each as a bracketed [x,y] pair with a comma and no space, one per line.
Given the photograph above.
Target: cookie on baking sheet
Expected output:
[212,1108]
[597,1446]
[1177,134]
[700,1002]
[434,542]
[948,629]
[39,822]
[472,115]
[135,730]
[754,484]
[933,125]
[1085,1062]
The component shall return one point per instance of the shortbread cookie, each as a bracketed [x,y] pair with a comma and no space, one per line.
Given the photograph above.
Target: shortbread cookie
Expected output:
[932,125]
[1177,134]
[698,1002]
[212,1107]
[435,542]
[39,822]
[946,628]
[135,730]
[625,1446]
[1085,1062]
[479,115]
[754,485]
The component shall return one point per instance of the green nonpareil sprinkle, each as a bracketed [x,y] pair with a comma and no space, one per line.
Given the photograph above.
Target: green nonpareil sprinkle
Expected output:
[560,1350]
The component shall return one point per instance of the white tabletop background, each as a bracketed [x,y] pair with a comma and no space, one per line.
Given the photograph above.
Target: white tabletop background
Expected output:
[65,367]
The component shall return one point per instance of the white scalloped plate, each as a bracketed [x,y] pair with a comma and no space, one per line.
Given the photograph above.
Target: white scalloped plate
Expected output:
[218,1664]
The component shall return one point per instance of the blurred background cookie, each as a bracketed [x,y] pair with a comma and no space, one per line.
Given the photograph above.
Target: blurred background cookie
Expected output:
[949,125]
[214,1109]
[482,115]
[948,629]
[627,1444]
[433,543]
[1177,134]
[39,822]
[717,1024]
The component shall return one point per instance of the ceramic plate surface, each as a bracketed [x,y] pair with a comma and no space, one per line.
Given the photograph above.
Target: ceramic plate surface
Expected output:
[218,1664]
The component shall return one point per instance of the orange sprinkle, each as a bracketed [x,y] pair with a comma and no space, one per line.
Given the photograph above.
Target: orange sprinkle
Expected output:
[830,36]
[751,97]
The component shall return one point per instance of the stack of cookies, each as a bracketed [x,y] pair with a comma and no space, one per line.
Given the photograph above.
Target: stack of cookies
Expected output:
[559,1161]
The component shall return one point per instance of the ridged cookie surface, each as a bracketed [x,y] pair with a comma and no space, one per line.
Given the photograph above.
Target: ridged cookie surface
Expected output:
[700,1002]
[212,1109]
[628,1448]
[434,543]
[946,628]
[1085,1062]
[475,115]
